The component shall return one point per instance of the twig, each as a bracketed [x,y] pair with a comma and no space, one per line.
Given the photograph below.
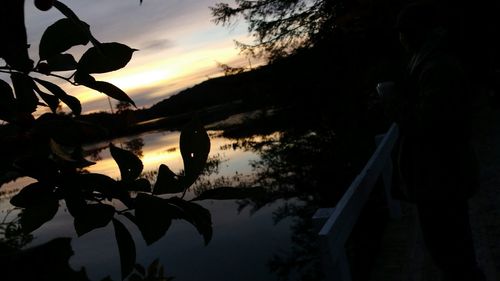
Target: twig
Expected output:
[60,77]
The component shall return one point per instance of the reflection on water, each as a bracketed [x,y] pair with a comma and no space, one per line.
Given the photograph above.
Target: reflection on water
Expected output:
[265,237]
[10,189]
[163,148]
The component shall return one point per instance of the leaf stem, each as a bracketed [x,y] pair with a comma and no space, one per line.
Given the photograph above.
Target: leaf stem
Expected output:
[67,79]
[7,70]
[10,71]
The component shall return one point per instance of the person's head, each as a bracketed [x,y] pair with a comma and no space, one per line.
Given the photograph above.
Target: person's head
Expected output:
[414,24]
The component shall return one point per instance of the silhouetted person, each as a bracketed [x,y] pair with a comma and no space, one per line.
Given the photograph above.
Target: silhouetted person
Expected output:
[437,166]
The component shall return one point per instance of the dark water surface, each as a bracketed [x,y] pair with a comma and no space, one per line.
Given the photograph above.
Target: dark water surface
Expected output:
[252,239]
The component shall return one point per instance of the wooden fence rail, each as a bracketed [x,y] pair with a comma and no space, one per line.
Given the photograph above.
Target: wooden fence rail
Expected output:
[335,224]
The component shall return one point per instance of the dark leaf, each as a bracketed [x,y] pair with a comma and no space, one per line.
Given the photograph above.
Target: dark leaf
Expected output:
[7,101]
[68,155]
[106,57]
[130,165]
[140,185]
[52,101]
[83,78]
[62,152]
[195,146]
[61,36]
[61,62]
[92,179]
[110,90]
[72,102]
[25,94]
[65,10]
[14,46]
[126,248]
[33,194]
[6,93]
[153,216]
[93,216]
[34,217]
[76,204]
[97,182]
[231,193]
[198,216]
[167,182]
[62,129]
[38,167]
[43,68]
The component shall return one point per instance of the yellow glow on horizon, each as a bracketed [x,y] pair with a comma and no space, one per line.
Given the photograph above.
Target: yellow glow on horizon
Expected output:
[151,161]
[159,77]
[140,79]
[165,150]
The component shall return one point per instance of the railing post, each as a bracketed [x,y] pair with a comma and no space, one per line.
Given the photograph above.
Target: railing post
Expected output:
[335,266]
[334,225]
[342,266]
[393,205]
[337,269]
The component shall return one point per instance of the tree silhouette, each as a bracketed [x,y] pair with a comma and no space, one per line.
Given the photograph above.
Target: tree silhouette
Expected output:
[281,26]
[230,70]
[122,107]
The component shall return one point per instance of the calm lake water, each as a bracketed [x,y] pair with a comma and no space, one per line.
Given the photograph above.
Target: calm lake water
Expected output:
[251,240]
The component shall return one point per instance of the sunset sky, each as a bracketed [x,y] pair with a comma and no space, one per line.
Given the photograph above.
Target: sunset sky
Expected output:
[179,45]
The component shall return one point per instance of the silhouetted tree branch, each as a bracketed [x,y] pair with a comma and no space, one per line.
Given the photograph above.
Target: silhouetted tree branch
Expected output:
[280,26]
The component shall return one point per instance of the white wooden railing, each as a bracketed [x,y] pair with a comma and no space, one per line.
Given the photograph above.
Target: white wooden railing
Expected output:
[335,224]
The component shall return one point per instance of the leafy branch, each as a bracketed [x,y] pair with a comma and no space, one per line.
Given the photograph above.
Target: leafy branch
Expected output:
[88,196]
[57,39]
[52,153]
